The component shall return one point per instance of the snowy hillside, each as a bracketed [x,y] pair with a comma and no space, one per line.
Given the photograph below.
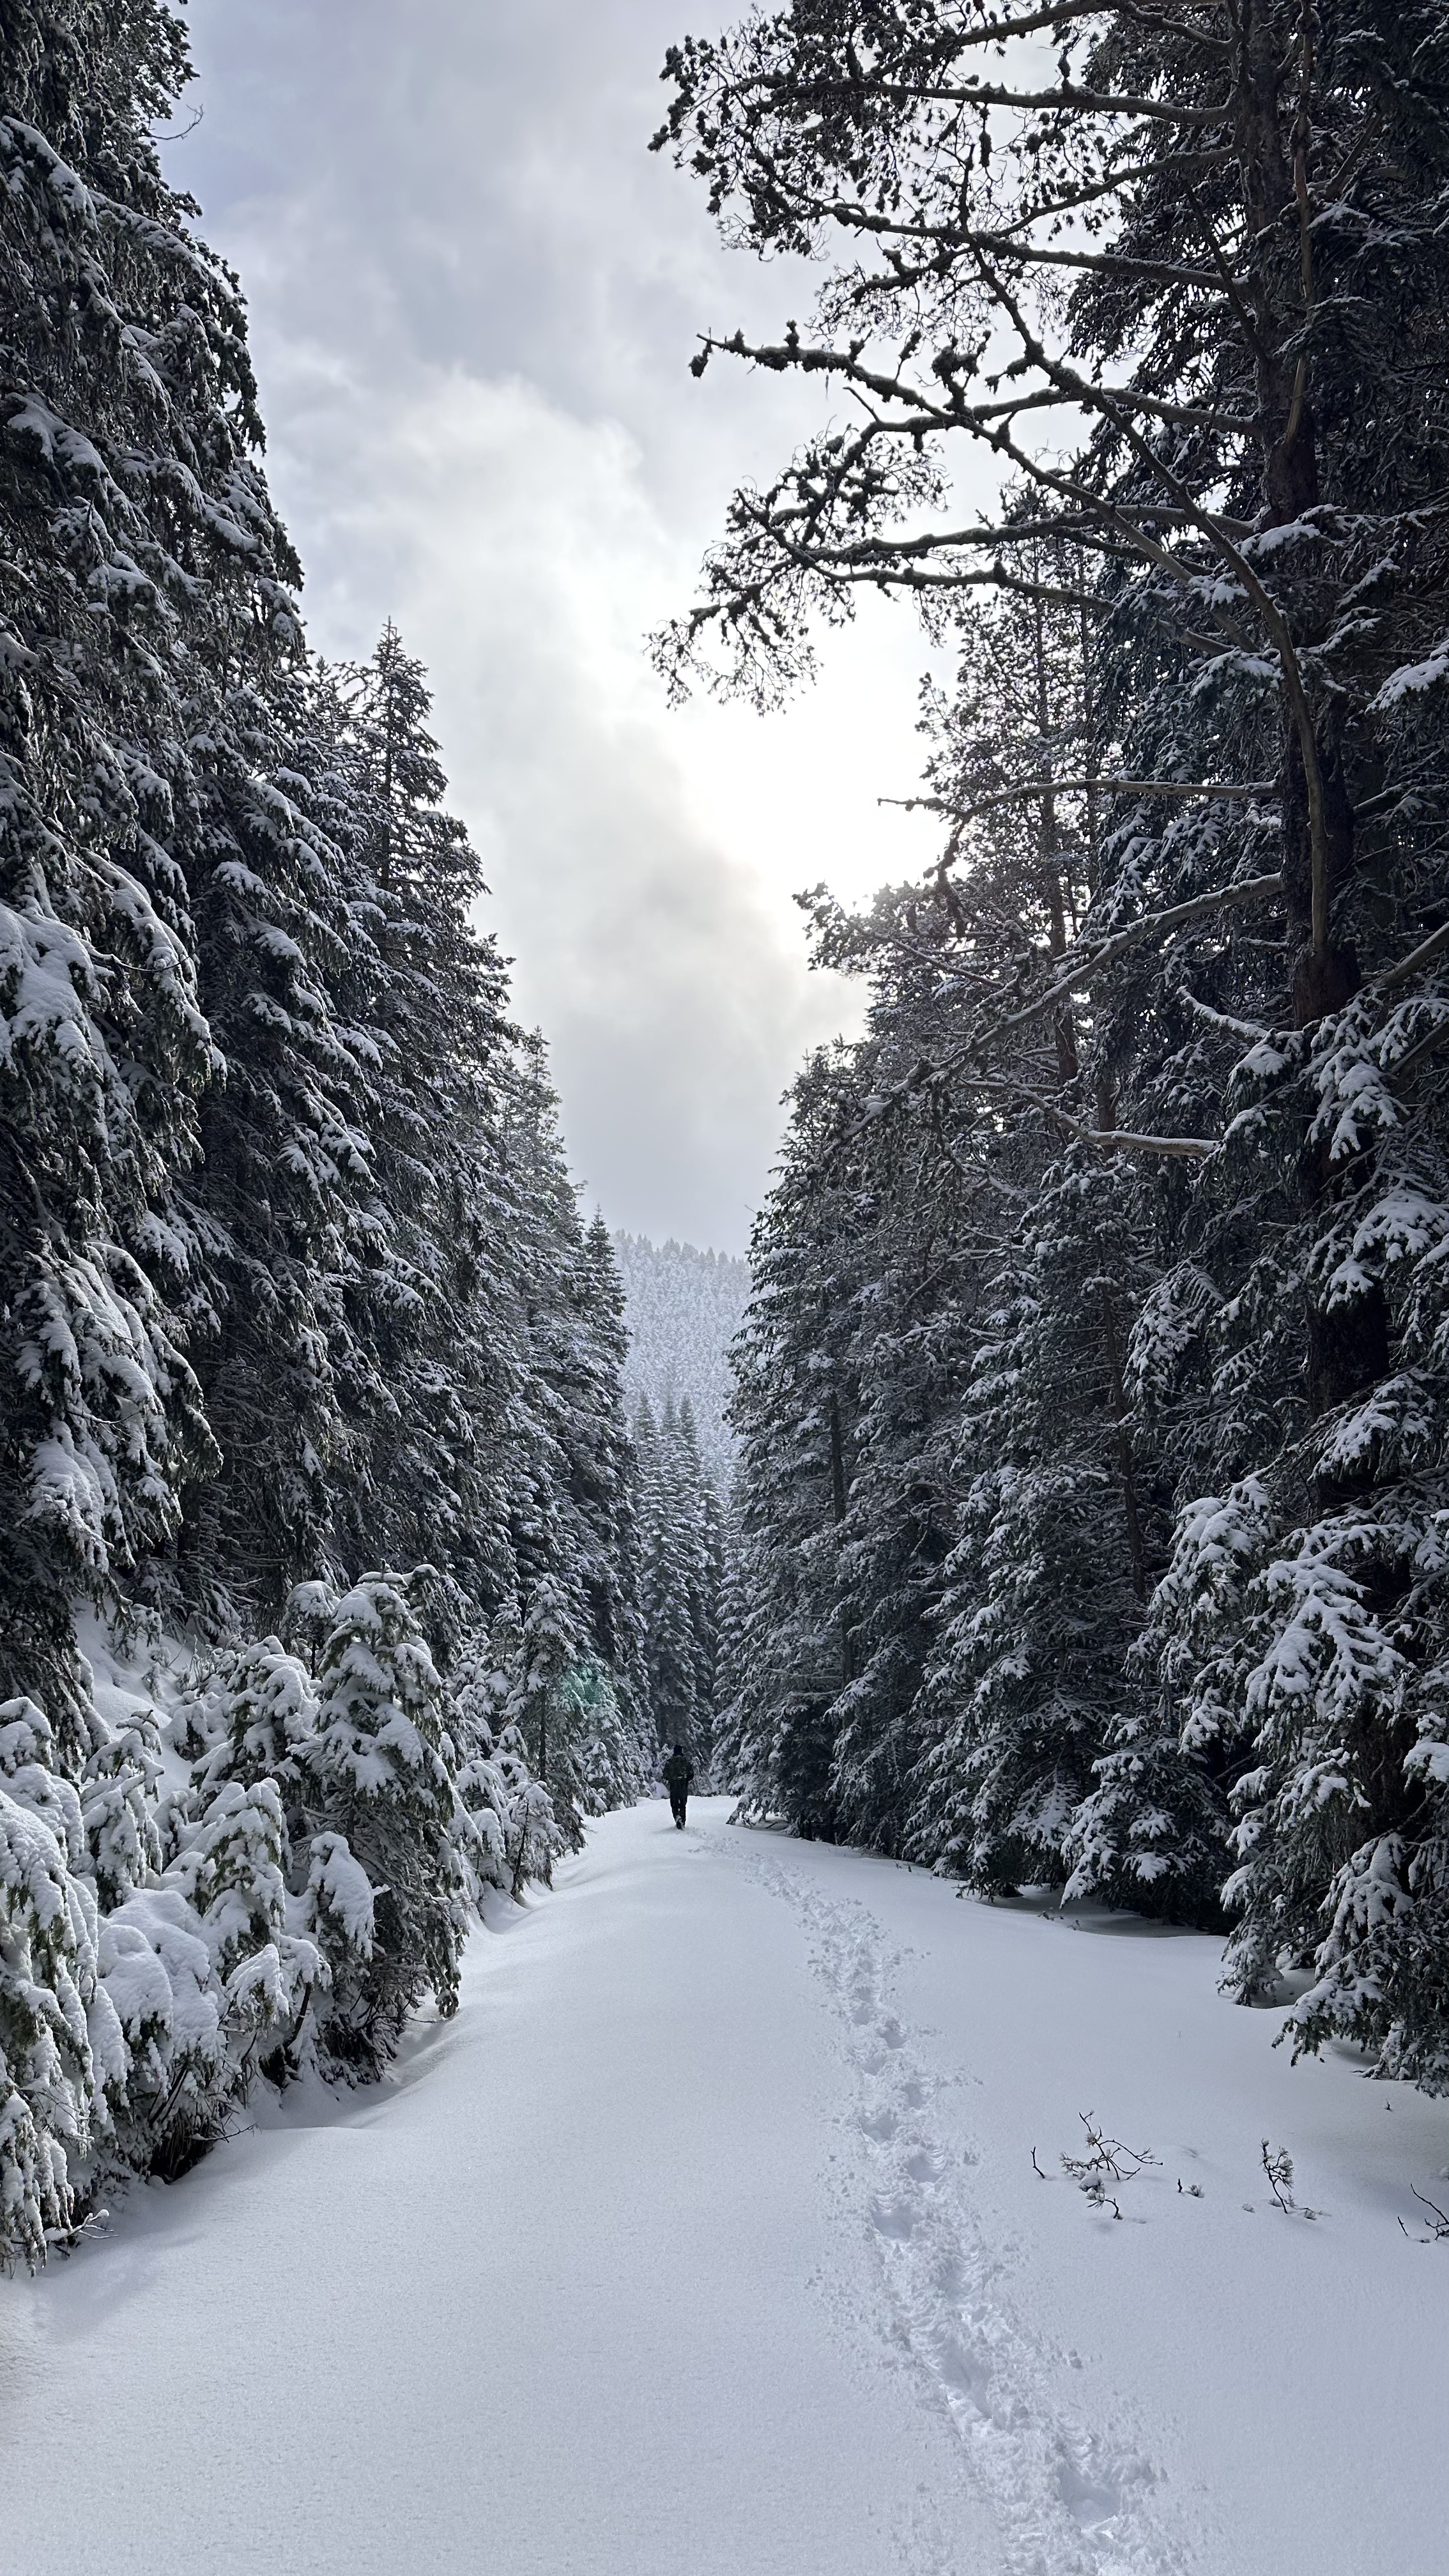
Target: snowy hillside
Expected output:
[683,1308]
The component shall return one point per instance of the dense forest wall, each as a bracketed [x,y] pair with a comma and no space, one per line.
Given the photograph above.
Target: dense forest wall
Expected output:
[1094,1392]
[312,1426]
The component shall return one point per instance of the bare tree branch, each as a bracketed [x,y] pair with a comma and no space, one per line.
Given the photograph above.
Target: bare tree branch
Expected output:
[1190,1149]
[1081,970]
[1078,787]
[1433,946]
[1099,102]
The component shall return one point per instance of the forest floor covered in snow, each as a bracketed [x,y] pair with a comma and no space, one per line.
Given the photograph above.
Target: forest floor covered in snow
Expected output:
[707,2239]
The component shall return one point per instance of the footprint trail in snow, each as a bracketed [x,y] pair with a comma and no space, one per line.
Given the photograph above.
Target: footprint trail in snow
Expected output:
[1071,2500]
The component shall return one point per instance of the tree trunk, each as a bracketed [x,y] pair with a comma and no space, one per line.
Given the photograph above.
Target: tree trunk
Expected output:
[837,1505]
[1348,1349]
[1136,1554]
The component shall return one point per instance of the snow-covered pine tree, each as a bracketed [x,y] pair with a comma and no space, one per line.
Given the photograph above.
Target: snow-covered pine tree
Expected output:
[796,1409]
[141,562]
[550,1653]
[518,1837]
[488,1706]
[428,991]
[61,2049]
[600,1467]
[707,1579]
[230,1868]
[379,1758]
[681,1571]
[668,1641]
[567,1496]
[1061,1526]
[282,1203]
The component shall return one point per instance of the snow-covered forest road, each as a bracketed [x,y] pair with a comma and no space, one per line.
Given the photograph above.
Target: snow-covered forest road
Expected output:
[707,2240]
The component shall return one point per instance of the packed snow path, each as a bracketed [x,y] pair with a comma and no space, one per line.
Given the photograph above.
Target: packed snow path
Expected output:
[706,2241]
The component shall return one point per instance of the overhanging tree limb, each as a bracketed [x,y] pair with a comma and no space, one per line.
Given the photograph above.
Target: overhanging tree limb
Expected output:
[1423,955]
[1026,789]
[1191,1149]
[1080,971]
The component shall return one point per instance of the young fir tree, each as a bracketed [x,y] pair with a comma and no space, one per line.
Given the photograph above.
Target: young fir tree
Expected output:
[62,2055]
[518,1836]
[379,1756]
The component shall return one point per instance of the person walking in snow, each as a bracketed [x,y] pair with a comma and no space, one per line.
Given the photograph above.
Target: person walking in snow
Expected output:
[678,1772]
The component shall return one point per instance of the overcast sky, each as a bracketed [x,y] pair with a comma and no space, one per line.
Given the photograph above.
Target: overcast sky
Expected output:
[474,297]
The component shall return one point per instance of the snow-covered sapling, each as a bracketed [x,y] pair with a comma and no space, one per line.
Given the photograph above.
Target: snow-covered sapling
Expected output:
[58,2037]
[378,1757]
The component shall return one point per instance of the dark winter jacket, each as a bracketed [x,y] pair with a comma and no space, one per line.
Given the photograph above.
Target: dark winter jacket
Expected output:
[679,1771]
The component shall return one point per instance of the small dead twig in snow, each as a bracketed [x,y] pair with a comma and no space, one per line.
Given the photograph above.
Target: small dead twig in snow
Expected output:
[1438,2219]
[1107,2160]
[1036,2169]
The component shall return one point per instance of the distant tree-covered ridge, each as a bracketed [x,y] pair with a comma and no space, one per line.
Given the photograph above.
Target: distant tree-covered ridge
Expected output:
[311,1379]
[683,1308]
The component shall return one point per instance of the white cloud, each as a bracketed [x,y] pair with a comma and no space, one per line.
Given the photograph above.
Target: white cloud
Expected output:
[473,364]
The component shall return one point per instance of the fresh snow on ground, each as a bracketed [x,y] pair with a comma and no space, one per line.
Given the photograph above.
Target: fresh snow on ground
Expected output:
[706,2241]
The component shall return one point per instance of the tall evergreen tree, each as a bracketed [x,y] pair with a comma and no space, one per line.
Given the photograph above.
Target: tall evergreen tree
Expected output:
[429,993]
[681,1575]
[142,567]
[277,1207]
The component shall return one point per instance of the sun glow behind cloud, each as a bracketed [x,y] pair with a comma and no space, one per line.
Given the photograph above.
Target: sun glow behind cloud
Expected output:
[482,423]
